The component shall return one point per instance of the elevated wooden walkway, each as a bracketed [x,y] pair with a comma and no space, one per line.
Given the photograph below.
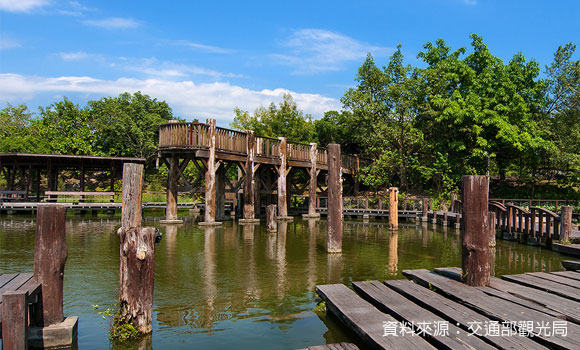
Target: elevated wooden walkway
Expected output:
[434,310]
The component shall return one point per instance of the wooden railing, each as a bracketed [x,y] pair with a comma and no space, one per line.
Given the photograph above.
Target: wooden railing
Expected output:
[195,135]
[380,202]
[535,223]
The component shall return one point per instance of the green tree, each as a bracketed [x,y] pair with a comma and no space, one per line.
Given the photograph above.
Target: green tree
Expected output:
[284,119]
[128,125]
[16,133]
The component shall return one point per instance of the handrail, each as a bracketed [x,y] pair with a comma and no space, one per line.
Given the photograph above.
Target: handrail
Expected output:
[196,136]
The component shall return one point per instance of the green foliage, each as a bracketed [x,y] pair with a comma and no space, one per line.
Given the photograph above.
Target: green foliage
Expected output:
[120,329]
[320,308]
[282,120]
[16,134]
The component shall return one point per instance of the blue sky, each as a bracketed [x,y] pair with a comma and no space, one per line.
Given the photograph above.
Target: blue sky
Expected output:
[206,57]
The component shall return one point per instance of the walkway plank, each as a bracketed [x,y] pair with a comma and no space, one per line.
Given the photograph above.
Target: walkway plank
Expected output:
[15,283]
[569,308]
[568,274]
[497,308]
[336,346]
[5,278]
[389,301]
[543,284]
[457,313]
[555,278]
[364,319]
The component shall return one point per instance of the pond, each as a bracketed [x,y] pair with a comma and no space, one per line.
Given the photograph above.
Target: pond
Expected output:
[238,286]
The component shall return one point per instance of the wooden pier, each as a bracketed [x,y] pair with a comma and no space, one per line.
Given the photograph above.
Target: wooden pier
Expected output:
[434,310]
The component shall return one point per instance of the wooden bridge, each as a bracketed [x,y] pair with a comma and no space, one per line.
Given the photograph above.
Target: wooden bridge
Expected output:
[264,166]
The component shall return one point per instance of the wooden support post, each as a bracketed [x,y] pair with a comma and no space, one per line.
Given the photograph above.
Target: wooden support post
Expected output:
[132,190]
[492,228]
[271,223]
[282,200]
[220,195]
[137,245]
[445,218]
[313,184]
[356,182]
[475,230]
[566,223]
[210,174]
[334,239]
[50,254]
[393,208]
[249,181]
[38,185]
[453,204]
[137,276]
[172,178]
[15,320]
[257,191]
[425,210]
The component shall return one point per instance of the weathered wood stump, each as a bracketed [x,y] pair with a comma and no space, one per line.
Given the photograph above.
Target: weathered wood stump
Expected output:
[424,209]
[249,212]
[313,183]
[271,222]
[492,228]
[132,193]
[137,276]
[334,239]
[475,230]
[50,254]
[566,222]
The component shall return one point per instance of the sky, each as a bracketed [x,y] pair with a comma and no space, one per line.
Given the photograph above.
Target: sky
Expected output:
[204,58]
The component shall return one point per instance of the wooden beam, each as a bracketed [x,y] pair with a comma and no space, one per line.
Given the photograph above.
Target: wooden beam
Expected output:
[50,254]
[172,178]
[210,191]
[282,201]
[132,190]
[393,208]
[313,181]
[475,230]
[249,181]
[334,240]
[15,320]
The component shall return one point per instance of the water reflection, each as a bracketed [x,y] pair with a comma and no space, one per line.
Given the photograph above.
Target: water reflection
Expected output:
[243,285]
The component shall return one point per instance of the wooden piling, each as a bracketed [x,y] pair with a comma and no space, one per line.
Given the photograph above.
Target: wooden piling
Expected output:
[492,228]
[14,320]
[312,184]
[171,210]
[249,212]
[393,208]
[475,230]
[282,172]
[210,176]
[566,222]
[137,244]
[50,254]
[220,195]
[132,193]
[334,240]
[425,210]
[271,223]
[137,276]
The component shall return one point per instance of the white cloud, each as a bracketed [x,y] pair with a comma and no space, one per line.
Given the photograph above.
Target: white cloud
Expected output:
[188,99]
[163,69]
[6,44]
[21,5]
[112,22]
[202,47]
[77,56]
[316,50]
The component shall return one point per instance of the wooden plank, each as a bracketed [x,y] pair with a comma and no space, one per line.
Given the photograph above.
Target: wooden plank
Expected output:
[7,277]
[568,274]
[543,284]
[455,274]
[572,265]
[569,308]
[457,313]
[15,283]
[558,279]
[365,320]
[336,346]
[404,310]
[498,309]
[569,249]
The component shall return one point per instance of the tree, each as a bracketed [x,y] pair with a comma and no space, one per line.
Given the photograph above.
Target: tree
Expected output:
[16,133]
[128,125]
[282,120]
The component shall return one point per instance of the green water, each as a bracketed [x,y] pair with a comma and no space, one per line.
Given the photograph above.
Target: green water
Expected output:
[239,286]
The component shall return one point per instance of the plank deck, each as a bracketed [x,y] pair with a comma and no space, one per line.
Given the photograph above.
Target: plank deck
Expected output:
[555,278]
[17,282]
[404,310]
[546,285]
[336,346]
[497,308]
[365,320]
[569,308]
[569,274]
